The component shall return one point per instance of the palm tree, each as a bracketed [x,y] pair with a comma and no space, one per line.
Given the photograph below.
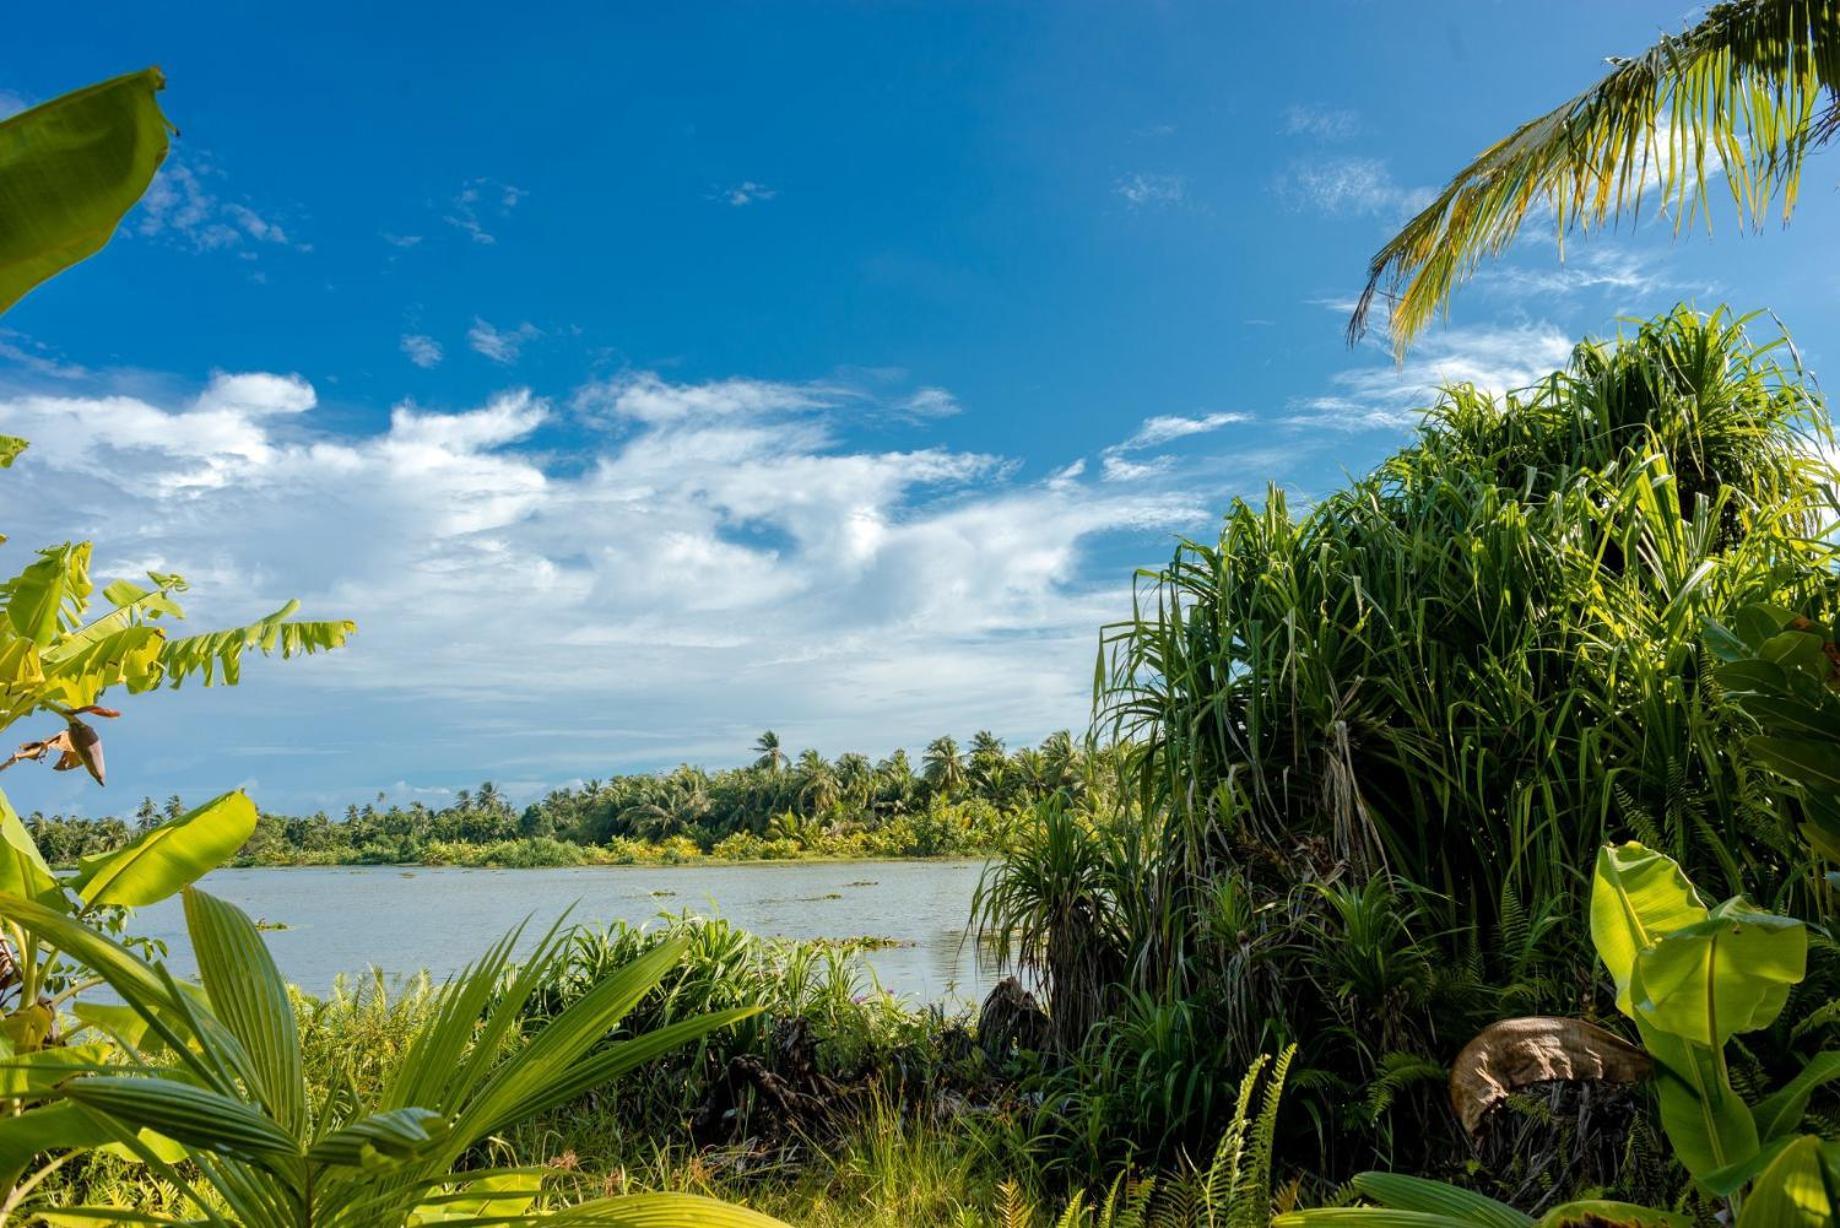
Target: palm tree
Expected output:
[817,782]
[772,758]
[943,766]
[989,763]
[1749,91]
[855,778]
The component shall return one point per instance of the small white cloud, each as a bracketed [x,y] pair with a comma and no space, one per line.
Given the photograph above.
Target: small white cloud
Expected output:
[422,350]
[643,397]
[1350,187]
[180,207]
[255,395]
[396,240]
[1165,427]
[1613,270]
[1115,468]
[1140,190]
[37,358]
[1320,122]
[931,403]
[746,192]
[1389,395]
[500,345]
[478,200]
[12,104]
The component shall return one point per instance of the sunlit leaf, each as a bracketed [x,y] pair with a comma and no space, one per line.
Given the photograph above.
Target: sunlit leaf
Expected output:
[1637,896]
[170,856]
[69,170]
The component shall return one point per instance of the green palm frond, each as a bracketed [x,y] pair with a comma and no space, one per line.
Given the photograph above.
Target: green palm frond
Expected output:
[1747,93]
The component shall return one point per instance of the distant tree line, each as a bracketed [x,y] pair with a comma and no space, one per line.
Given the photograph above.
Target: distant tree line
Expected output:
[960,798]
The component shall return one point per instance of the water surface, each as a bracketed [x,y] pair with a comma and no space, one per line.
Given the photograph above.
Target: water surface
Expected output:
[344,919]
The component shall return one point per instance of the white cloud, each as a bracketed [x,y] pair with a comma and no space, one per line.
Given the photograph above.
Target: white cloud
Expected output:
[1115,468]
[1350,187]
[423,351]
[12,104]
[643,397]
[37,358]
[477,201]
[501,346]
[1140,190]
[181,207]
[1388,395]
[1610,270]
[396,240]
[709,555]
[746,192]
[931,403]
[1165,427]
[1321,122]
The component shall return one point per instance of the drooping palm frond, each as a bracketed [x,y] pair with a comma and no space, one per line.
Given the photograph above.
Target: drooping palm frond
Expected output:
[1748,93]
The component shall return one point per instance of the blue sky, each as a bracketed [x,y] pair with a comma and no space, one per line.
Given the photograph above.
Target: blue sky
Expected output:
[640,377]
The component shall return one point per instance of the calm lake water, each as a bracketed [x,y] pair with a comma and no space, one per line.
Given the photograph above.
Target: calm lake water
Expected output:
[345,919]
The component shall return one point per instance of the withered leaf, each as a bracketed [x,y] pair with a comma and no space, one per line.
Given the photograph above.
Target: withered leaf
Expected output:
[77,746]
[1515,1053]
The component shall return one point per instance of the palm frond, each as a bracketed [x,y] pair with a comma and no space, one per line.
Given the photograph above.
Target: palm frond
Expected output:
[1747,92]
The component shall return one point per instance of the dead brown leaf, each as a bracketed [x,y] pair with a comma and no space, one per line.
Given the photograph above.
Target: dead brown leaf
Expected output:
[1516,1053]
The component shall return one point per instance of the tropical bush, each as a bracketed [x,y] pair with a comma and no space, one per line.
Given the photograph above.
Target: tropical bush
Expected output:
[1692,979]
[1370,750]
[213,1076]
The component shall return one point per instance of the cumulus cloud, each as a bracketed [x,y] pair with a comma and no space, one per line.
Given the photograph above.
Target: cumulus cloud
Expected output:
[423,351]
[500,345]
[700,561]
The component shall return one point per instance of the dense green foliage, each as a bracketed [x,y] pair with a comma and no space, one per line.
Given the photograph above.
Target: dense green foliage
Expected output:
[1373,750]
[959,801]
[209,1090]
[1692,978]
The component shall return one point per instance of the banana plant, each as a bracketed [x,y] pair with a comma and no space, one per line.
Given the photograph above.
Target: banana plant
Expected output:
[36,982]
[1690,977]
[213,1073]
[58,657]
[69,170]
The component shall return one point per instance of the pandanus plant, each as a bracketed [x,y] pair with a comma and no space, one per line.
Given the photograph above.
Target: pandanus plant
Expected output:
[1691,978]
[207,1088]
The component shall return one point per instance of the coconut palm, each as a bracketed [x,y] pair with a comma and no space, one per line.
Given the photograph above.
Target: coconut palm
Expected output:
[943,766]
[989,763]
[818,784]
[767,746]
[1747,93]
